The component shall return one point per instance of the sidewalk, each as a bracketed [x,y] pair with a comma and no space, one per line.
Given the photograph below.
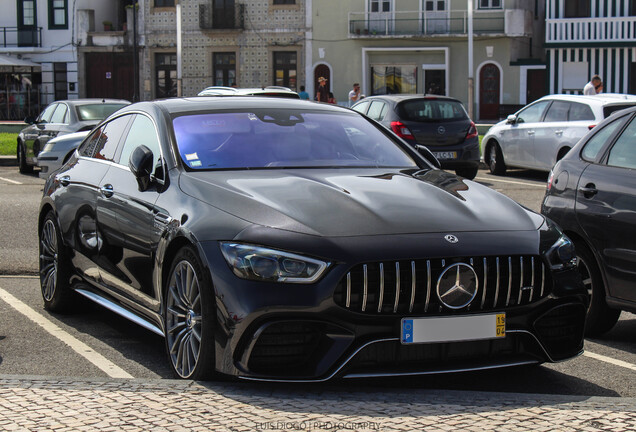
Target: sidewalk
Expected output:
[53,404]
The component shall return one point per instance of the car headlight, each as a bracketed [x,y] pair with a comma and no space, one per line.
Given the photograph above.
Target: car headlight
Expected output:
[48,147]
[562,254]
[263,264]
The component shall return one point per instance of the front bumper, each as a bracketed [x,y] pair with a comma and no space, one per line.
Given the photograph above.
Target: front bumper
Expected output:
[289,332]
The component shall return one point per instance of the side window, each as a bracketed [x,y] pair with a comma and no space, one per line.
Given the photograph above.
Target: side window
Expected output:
[361,107]
[60,114]
[594,145]
[142,132]
[557,112]
[532,113]
[579,111]
[375,110]
[102,143]
[623,153]
[45,117]
[87,149]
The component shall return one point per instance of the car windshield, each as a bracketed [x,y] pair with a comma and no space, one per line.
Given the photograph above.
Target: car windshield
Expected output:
[432,110]
[98,111]
[278,138]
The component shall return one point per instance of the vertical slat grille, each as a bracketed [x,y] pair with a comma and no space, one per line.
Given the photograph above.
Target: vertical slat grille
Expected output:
[410,287]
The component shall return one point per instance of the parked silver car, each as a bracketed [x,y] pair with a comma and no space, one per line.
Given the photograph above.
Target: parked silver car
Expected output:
[57,151]
[540,134]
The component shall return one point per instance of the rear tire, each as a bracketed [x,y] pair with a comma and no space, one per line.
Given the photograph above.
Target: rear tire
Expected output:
[495,160]
[189,317]
[22,163]
[600,318]
[55,268]
[469,172]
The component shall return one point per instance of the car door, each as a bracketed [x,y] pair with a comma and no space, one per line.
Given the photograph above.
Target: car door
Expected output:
[517,139]
[549,135]
[135,214]
[606,208]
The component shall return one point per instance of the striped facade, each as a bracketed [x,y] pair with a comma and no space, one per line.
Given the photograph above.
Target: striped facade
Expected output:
[603,43]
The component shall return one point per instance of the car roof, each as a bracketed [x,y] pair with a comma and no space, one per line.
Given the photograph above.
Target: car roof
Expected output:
[408,96]
[599,99]
[236,91]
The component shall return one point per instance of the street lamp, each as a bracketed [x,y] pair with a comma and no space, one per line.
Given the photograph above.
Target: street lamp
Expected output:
[471,81]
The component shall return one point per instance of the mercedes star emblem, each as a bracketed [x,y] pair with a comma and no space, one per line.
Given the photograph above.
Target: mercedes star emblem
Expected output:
[441,130]
[451,238]
[457,286]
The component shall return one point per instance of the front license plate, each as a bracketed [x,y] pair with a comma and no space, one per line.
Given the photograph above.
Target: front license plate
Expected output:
[445,155]
[453,329]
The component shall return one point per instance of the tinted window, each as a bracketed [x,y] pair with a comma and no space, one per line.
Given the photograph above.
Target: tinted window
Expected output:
[609,109]
[60,114]
[375,110]
[600,138]
[142,132]
[96,111]
[108,138]
[623,153]
[431,110]
[579,111]
[558,111]
[284,138]
[47,113]
[362,107]
[533,113]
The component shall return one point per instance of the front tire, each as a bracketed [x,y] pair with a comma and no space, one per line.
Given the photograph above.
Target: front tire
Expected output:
[55,268]
[600,318]
[22,163]
[495,160]
[189,316]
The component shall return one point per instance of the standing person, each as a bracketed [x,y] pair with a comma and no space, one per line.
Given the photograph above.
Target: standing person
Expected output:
[322,94]
[593,86]
[303,94]
[354,95]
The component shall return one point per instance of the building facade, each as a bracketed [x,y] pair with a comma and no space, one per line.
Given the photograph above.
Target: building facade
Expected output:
[589,37]
[420,46]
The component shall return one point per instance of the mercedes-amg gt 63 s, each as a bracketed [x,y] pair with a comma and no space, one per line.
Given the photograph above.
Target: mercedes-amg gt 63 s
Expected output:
[279,239]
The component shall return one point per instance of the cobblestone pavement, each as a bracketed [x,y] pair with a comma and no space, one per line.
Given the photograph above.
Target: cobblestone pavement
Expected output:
[50,404]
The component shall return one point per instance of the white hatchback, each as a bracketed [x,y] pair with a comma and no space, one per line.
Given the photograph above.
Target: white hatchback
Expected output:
[540,134]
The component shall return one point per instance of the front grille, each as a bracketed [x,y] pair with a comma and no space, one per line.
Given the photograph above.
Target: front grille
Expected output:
[561,330]
[410,287]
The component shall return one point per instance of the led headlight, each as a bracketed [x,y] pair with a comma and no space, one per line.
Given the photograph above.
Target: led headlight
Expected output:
[260,263]
[48,147]
[562,254]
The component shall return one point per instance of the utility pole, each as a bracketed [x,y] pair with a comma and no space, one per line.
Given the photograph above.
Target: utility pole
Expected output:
[471,81]
[179,52]
[135,56]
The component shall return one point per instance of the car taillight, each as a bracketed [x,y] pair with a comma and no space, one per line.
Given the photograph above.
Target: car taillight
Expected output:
[472,131]
[401,130]
[550,178]
[590,127]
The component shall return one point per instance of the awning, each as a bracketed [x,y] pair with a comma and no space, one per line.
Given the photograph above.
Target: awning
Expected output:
[14,64]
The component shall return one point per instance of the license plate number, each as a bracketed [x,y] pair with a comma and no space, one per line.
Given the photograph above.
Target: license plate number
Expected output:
[453,329]
[445,155]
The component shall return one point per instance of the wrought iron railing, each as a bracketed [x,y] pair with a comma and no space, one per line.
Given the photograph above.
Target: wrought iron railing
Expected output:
[211,18]
[16,37]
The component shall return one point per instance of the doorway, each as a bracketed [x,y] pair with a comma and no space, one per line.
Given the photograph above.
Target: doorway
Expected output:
[535,85]
[435,17]
[380,16]
[489,81]
[322,70]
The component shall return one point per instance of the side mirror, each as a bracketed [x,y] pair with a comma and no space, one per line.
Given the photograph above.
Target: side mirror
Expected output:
[140,164]
[29,120]
[426,154]
[511,119]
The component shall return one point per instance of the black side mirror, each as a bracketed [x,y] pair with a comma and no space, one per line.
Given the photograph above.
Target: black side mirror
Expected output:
[426,153]
[140,164]
[29,120]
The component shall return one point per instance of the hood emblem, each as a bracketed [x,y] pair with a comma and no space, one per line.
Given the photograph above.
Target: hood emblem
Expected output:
[457,286]
[451,238]
[441,130]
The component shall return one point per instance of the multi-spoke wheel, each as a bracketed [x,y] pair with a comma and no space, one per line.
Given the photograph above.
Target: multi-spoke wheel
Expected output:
[54,268]
[495,160]
[600,318]
[189,310]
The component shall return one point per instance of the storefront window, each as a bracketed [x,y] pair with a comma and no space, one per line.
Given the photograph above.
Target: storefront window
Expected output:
[393,79]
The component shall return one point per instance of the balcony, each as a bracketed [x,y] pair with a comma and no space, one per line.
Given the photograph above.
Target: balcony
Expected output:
[422,23]
[590,30]
[211,18]
[14,37]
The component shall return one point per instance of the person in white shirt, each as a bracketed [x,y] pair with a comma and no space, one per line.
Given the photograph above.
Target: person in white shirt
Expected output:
[354,95]
[595,86]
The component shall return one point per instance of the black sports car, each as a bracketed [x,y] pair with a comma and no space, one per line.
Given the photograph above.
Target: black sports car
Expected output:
[278,239]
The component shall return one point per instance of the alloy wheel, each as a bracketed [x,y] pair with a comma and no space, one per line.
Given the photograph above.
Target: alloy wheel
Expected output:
[184,319]
[586,275]
[48,260]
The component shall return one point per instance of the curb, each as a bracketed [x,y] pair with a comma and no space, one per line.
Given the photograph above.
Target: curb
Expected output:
[8,160]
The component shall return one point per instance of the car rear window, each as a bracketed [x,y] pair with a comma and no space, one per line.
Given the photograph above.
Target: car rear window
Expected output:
[280,138]
[425,110]
[609,109]
[97,111]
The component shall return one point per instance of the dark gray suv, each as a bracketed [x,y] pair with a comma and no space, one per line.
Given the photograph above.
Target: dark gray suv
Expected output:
[438,123]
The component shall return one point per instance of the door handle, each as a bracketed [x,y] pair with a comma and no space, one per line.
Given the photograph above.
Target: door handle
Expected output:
[559,132]
[589,190]
[107,190]
[63,180]
[530,132]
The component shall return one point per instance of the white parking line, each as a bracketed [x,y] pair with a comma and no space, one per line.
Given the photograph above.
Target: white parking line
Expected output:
[490,179]
[111,369]
[610,360]
[10,181]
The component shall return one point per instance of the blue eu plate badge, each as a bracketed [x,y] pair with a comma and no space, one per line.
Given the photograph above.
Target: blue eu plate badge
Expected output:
[407,331]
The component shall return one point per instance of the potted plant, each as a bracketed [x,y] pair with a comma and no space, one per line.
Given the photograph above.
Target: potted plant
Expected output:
[108,26]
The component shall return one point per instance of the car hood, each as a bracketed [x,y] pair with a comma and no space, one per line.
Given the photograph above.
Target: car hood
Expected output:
[353,202]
